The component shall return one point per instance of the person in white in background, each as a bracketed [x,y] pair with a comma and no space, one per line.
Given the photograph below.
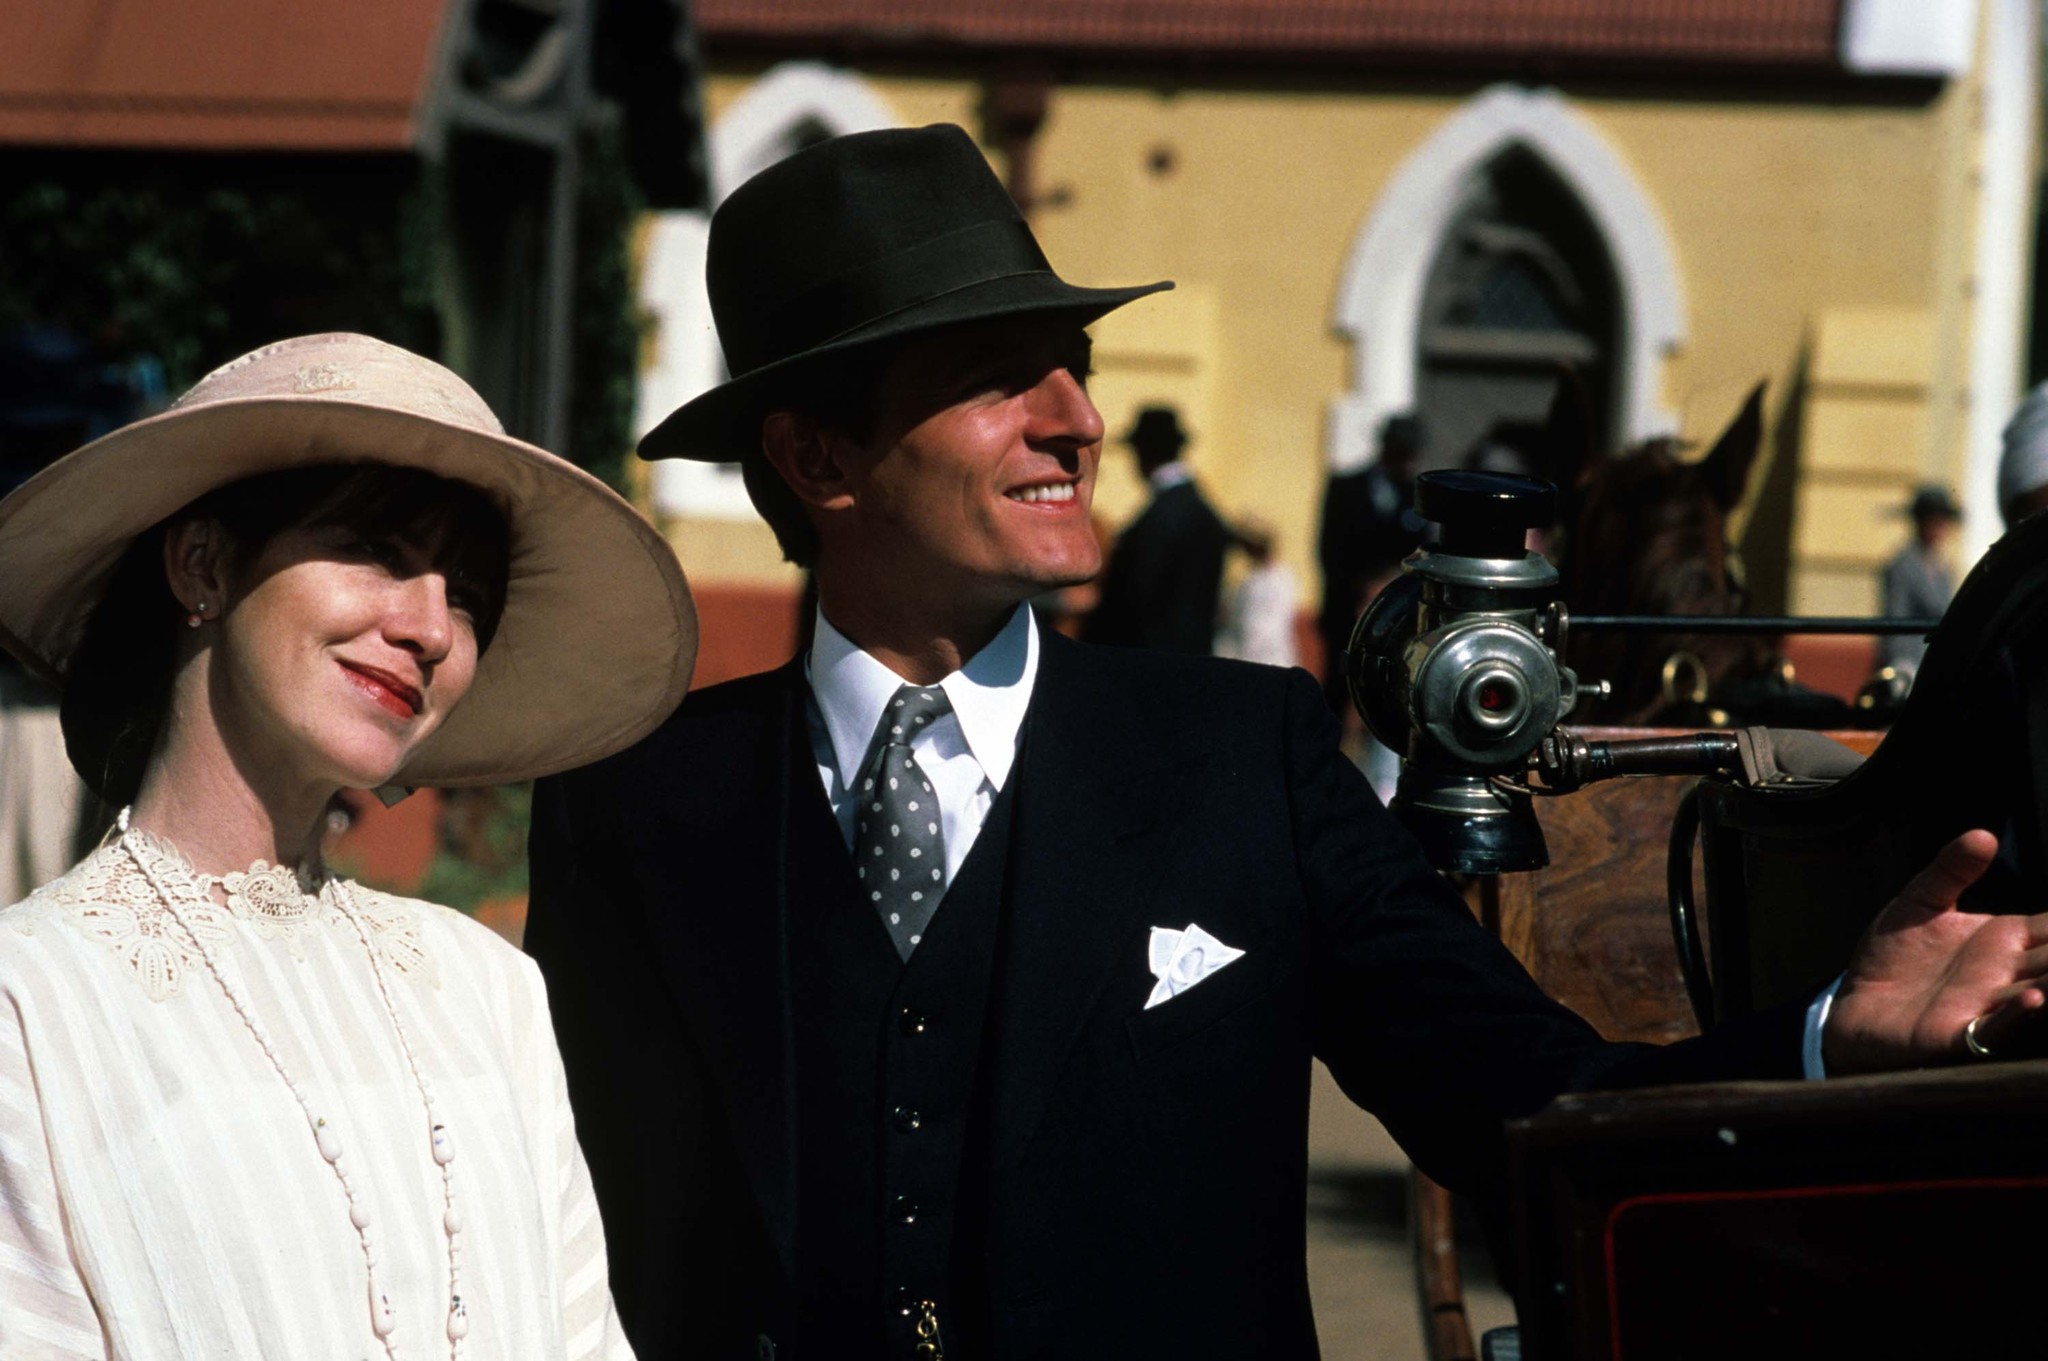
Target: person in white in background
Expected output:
[40,799]
[1259,623]
[249,1109]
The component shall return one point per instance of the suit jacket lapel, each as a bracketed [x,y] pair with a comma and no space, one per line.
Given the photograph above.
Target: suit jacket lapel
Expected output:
[752,793]
[1094,801]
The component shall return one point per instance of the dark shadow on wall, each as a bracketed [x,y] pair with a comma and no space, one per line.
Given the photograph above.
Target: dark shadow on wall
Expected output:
[1767,538]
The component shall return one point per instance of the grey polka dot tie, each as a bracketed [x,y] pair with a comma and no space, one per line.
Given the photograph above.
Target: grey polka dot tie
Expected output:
[899,849]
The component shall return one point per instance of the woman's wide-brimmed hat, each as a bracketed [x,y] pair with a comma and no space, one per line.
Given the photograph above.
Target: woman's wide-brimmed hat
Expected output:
[858,240]
[598,634]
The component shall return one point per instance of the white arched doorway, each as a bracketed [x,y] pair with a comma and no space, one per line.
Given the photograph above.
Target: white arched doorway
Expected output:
[791,107]
[1380,297]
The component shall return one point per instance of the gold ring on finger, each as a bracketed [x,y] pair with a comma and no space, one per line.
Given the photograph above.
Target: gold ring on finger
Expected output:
[1971,1042]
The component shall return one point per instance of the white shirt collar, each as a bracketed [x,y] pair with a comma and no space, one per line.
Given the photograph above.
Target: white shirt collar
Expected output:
[1169,475]
[989,694]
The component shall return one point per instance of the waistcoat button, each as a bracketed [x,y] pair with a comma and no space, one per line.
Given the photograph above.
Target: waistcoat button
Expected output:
[905,1210]
[905,1119]
[912,1021]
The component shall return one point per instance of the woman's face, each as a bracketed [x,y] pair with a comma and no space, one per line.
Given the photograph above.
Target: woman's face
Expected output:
[341,650]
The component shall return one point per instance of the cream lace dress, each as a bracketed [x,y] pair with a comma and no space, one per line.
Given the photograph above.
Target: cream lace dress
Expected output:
[161,1195]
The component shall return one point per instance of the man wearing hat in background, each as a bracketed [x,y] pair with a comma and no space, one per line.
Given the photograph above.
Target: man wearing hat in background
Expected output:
[1368,525]
[1166,572]
[951,990]
[1918,582]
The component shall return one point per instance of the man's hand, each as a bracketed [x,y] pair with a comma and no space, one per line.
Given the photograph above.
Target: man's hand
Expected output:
[1925,969]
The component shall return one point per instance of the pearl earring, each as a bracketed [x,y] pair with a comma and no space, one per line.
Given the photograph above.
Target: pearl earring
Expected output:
[198,615]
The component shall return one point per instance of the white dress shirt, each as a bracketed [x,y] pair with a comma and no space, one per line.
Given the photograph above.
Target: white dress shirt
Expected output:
[1169,475]
[966,755]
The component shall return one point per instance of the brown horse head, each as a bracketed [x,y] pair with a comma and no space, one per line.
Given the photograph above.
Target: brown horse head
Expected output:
[1647,533]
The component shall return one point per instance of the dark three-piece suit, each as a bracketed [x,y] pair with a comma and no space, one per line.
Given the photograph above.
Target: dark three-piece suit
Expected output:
[795,1136]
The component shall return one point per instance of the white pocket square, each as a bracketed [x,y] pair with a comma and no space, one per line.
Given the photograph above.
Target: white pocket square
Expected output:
[1181,959]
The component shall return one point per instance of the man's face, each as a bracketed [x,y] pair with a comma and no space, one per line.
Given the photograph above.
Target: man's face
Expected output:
[979,471]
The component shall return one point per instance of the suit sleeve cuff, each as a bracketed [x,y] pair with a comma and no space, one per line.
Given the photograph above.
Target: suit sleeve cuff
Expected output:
[1816,1025]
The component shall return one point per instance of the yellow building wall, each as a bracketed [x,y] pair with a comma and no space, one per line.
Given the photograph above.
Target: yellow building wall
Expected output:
[1785,217]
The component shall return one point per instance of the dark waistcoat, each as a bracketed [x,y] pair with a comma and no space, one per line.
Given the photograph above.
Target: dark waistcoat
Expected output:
[892,1143]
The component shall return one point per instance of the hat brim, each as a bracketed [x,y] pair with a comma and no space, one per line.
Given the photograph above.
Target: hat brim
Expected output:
[723,425]
[598,634]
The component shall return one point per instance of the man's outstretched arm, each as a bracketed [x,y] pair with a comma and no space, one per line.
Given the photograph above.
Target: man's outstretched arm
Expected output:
[1426,1019]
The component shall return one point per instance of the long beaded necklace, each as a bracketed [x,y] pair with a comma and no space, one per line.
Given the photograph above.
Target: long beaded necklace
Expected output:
[383,1320]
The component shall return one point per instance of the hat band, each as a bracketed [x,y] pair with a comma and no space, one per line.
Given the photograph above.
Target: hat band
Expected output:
[944,264]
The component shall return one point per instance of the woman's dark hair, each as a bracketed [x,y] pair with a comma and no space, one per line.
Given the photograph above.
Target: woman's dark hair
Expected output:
[119,679]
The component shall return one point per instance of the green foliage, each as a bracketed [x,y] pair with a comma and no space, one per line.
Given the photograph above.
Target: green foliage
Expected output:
[197,262]
[610,323]
[483,847]
[196,259]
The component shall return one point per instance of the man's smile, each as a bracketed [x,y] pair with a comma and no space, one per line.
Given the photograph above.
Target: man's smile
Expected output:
[1037,492]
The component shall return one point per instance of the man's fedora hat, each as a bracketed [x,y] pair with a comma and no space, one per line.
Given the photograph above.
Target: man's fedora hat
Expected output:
[1157,428]
[598,634]
[1933,503]
[859,239]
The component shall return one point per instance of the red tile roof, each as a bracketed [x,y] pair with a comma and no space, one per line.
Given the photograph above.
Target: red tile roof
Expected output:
[1682,32]
[217,74]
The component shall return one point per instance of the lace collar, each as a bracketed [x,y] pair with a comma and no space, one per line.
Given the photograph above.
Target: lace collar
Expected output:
[270,883]
[278,900]
[114,901]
